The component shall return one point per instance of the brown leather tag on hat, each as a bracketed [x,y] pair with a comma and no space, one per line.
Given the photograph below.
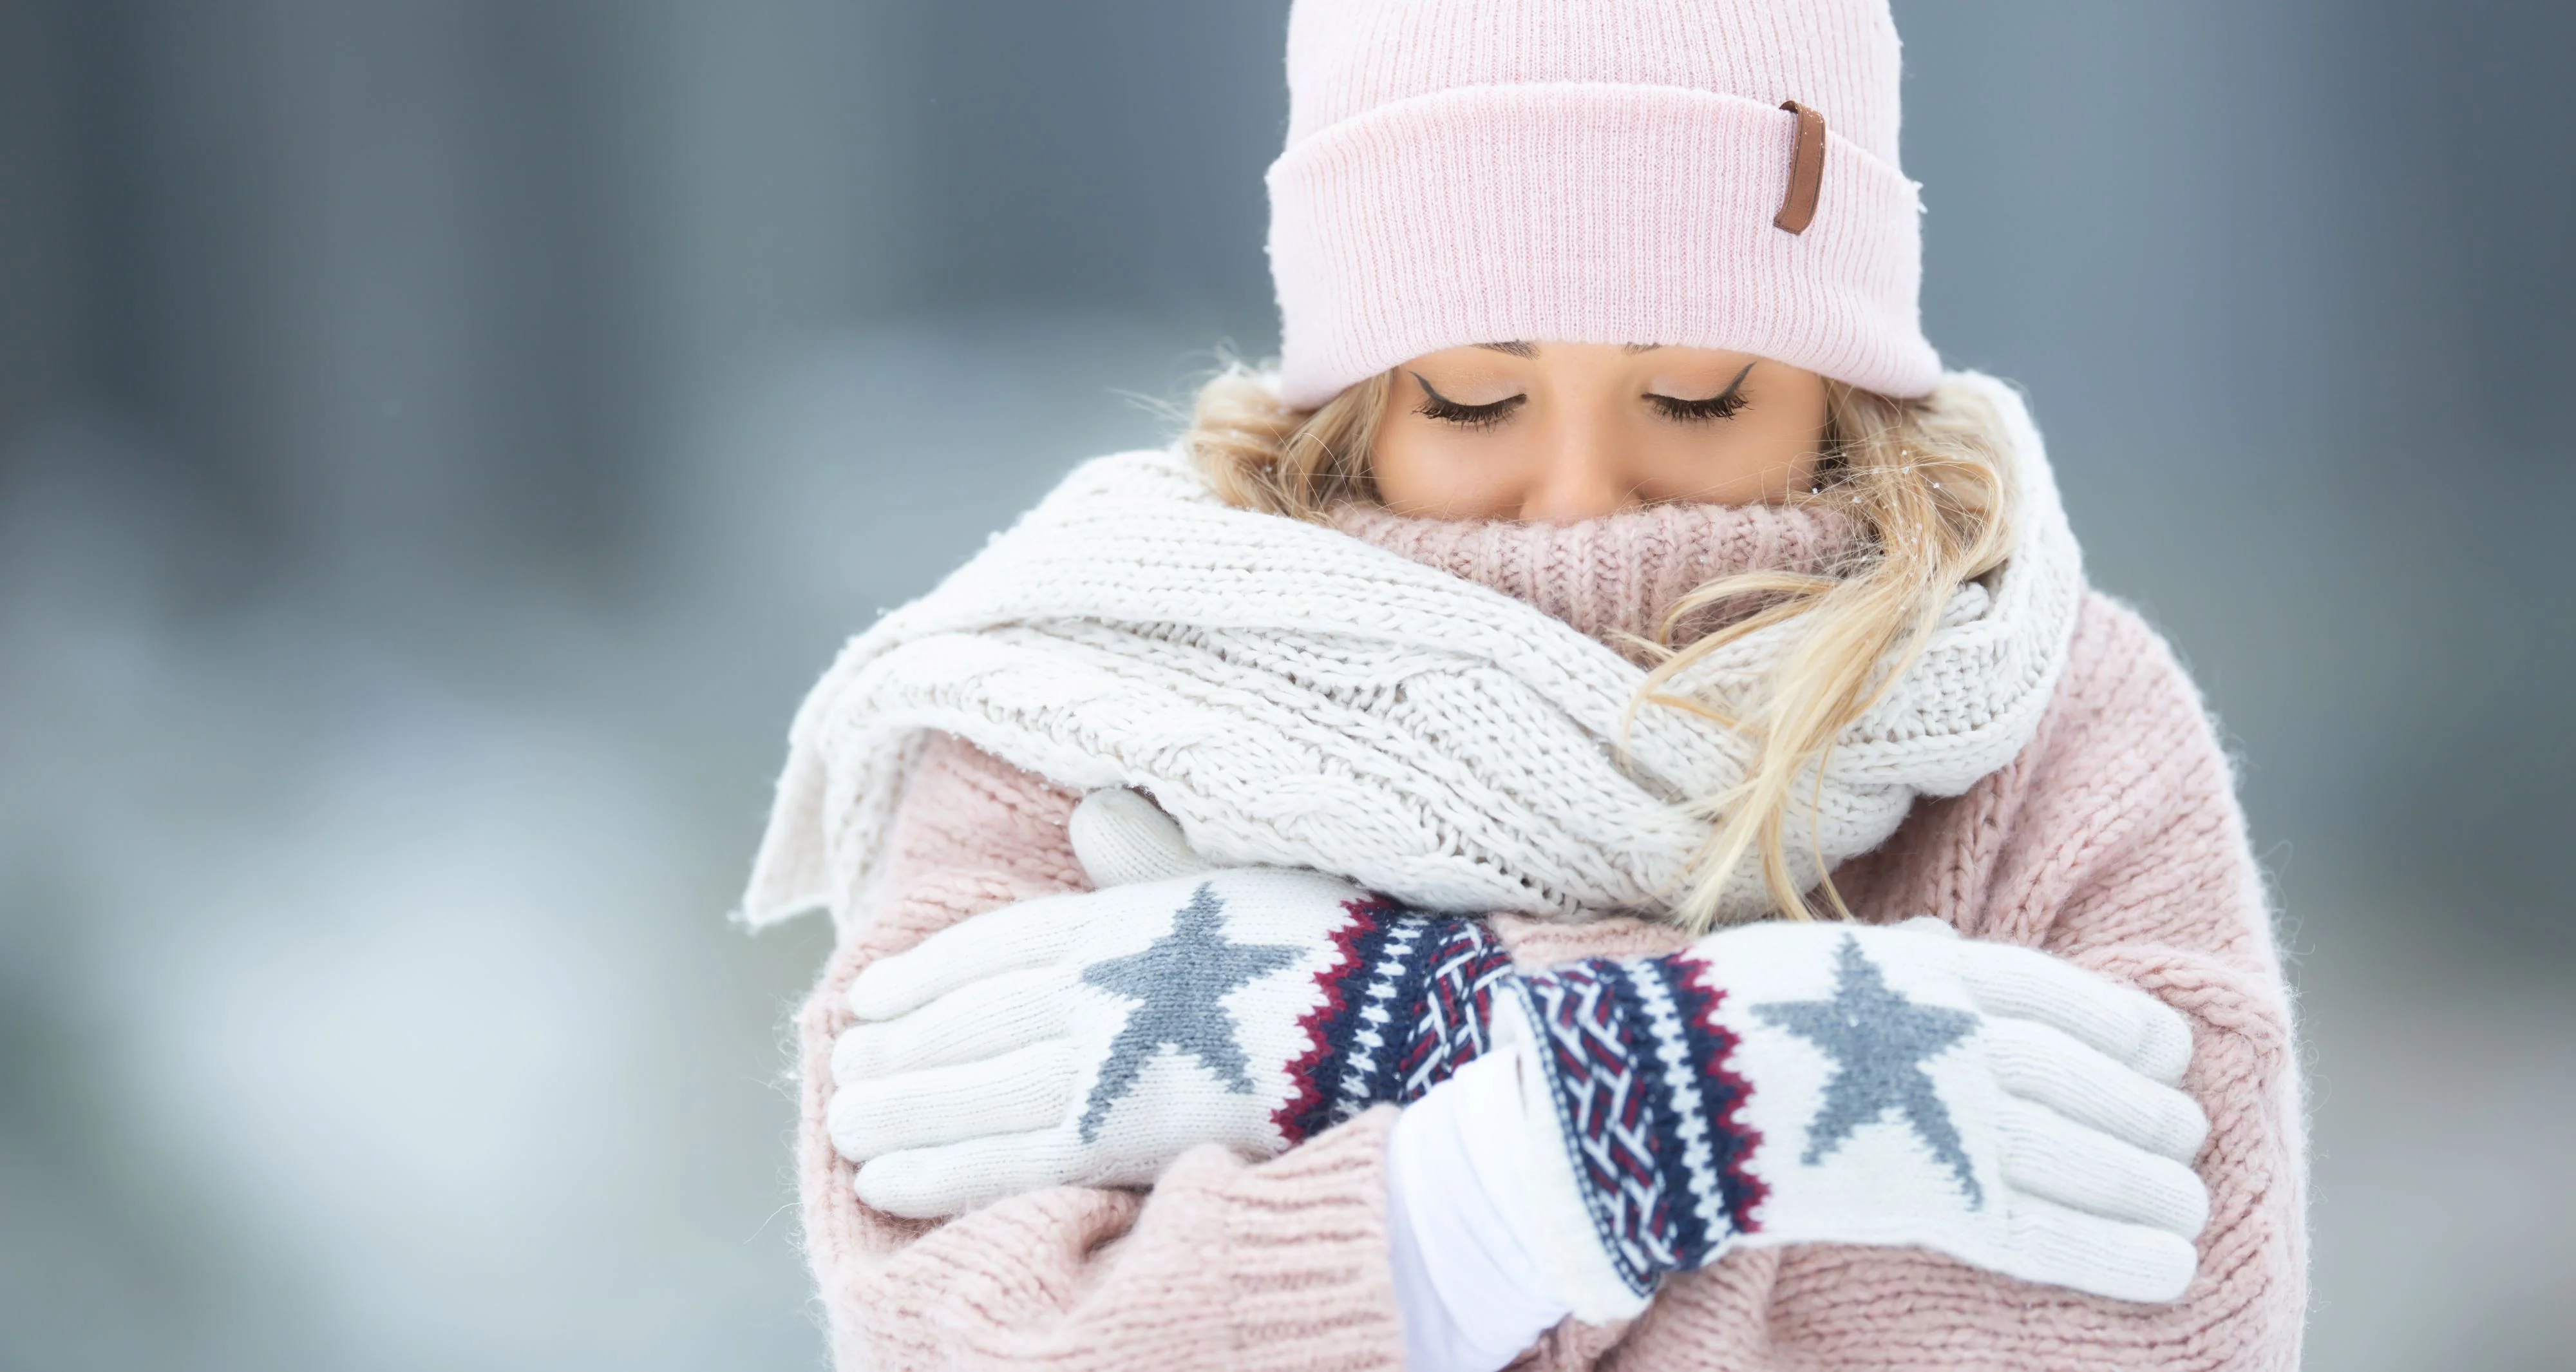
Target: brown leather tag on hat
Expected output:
[1806,170]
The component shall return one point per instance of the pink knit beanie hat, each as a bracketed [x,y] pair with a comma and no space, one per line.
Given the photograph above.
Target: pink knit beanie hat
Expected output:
[1594,171]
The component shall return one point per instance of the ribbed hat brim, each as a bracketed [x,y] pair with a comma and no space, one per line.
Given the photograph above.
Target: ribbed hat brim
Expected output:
[1591,213]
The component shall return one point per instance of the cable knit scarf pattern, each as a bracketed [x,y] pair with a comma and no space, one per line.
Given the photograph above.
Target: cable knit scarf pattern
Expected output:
[1297,697]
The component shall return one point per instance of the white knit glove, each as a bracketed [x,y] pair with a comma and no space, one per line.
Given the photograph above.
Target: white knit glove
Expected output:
[1091,1038]
[1833,1083]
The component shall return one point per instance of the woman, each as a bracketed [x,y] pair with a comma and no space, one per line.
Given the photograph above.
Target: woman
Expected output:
[1592,811]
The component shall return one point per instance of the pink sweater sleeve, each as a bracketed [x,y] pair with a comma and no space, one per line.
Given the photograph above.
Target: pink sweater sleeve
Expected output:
[1279,1265]
[2114,841]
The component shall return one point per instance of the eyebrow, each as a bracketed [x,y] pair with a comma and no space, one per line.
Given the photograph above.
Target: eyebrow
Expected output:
[1531,349]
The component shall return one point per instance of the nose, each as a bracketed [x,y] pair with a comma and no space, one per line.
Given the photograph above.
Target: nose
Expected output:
[1582,477]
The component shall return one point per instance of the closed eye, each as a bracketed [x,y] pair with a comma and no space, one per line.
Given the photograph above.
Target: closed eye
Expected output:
[1726,404]
[1448,411]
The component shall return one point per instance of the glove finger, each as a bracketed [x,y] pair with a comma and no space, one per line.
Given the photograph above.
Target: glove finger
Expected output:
[1031,933]
[979,1020]
[2135,1028]
[1123,838]
[2052,1244]
[1021,1090]
[928,1183]
[2049,1066]
[2045,1154]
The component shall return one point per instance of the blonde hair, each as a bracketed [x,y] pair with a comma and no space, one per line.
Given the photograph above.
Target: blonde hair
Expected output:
[1922,481]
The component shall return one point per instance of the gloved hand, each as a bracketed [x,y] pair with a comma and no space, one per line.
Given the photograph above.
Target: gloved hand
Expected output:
[1833,1083]
[1090,1038]
[1773,1084]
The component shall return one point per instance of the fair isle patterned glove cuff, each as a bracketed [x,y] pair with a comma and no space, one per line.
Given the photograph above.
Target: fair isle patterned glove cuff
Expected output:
[1647,1097]
[1408,999]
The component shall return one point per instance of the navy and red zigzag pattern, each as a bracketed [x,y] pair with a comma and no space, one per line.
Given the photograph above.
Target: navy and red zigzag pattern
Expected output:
[1312,1074]
[1724,1091]
[1408,999]
[1649,1107]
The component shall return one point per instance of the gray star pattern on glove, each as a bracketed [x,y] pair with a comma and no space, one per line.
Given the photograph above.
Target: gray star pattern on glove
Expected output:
[1178,980]
[1878,1039]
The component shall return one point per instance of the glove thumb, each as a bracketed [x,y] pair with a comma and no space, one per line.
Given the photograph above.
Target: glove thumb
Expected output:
[1122,839]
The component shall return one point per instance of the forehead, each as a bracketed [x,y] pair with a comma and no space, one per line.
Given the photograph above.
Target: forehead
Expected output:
[1623,358]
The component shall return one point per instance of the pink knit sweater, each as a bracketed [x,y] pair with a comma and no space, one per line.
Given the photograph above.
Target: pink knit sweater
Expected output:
[2114,841]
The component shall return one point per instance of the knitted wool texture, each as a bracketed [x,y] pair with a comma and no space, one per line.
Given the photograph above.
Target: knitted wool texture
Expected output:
[1609,578]
[1044,1043]
[1471,171]
[1298,698]
[2114,840]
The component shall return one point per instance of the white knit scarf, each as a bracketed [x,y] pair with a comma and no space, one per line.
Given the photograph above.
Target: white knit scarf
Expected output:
[1296,697]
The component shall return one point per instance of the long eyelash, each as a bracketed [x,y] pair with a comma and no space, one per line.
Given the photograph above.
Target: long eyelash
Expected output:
[1469,416]
[1716,407]
[1441,407]
[1726,404]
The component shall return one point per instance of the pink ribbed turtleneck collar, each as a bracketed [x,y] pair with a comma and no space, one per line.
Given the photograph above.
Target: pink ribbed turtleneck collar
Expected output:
[1615,574]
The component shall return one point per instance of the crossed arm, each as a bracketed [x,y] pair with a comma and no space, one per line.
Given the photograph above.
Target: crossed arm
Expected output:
[1284,1263]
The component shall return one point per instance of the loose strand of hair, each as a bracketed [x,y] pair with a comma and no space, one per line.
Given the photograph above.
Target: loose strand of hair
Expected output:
[1931,505]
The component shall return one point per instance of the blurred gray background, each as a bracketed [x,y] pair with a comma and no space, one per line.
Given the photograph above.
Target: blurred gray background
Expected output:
[440,441]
